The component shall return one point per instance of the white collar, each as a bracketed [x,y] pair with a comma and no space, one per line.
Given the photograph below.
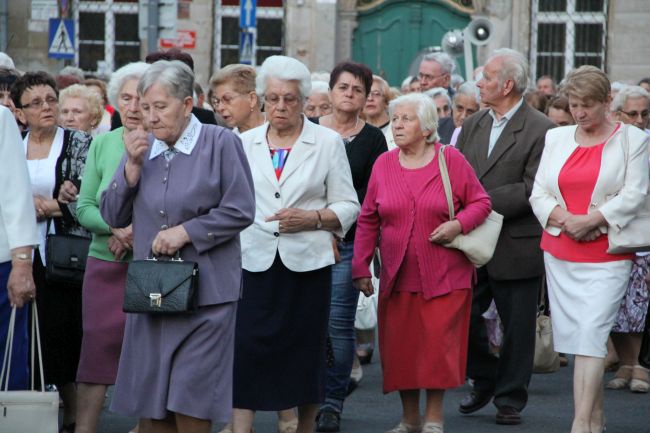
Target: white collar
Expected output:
[506,117]
[185,144]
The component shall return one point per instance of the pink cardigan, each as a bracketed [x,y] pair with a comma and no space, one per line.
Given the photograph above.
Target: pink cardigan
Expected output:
[390,209]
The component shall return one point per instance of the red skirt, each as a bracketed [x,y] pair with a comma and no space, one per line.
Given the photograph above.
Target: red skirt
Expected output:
[423,344]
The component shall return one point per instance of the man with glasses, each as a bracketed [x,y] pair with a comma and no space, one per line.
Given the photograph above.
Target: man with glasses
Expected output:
[435,71]
[631,105]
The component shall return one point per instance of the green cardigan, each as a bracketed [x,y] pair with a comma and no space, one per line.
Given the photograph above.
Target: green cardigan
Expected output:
[104,156]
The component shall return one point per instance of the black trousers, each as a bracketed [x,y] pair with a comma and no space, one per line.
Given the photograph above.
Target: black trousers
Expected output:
[508,375]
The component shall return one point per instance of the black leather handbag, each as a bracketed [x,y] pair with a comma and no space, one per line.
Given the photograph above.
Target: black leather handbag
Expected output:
[157,286]
[66,257]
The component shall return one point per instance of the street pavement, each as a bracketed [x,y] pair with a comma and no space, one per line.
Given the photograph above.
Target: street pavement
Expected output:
[549,410]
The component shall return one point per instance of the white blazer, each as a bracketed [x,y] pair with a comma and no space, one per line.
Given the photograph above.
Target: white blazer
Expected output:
[17,215]
[316,176]
[620,189]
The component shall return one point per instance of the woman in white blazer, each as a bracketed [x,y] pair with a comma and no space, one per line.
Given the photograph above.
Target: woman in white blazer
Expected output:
[589,183]
[303,193]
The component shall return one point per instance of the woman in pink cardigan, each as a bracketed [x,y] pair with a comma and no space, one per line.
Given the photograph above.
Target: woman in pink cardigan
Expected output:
[425,291]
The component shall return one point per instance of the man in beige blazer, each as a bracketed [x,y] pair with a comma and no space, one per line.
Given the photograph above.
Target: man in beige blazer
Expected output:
[504,145]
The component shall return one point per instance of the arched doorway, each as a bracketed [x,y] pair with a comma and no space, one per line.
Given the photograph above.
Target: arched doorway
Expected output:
[391,33]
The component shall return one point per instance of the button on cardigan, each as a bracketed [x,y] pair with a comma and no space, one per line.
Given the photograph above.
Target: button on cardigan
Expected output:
[390,209]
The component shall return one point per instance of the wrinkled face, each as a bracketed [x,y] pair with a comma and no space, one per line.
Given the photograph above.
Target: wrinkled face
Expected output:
[74,113]
[376,101]
[545,85]
[490,91]
[165,115]
[39,107]
[442,106]
[464,106]
[128,105]
[407,131]
[348,94]
[318,104]
[234,107]
[587,113]
[431,75]
[560,117]
[283,104]
[635,111]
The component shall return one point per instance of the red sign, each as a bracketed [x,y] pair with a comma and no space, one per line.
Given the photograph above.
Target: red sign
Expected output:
[184,39]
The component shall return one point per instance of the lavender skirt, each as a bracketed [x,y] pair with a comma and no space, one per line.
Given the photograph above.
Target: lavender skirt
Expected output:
[181,364]
[103,321]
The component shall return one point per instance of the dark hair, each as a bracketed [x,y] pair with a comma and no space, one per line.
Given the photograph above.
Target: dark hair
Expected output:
[29,80]
[559,103]
[171,54]
[7,78]
[63,81]
[537,100]
[360,71]
[645,80]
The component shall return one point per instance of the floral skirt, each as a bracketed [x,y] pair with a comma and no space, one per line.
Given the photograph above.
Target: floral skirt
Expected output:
[634,306]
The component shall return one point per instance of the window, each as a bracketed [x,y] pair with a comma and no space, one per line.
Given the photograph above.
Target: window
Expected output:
[100,48]
[567,34]
[270,31]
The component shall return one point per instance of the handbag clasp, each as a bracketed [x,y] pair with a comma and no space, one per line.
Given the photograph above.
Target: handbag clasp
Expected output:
[155,299]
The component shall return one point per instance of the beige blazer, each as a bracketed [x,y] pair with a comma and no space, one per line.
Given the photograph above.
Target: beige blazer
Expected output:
[316,176]
[620,188]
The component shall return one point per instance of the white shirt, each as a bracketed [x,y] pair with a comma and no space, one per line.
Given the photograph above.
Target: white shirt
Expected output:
[185,144]
[499,125]
[17,216]
[42,174]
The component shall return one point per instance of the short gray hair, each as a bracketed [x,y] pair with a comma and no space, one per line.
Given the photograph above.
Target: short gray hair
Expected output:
[286,69]
[626,93]
[425,109]
[438,91]
[74,71]
[468,88]
[318,86]
[445,61]
[515,68]
[174,75]
[132,71]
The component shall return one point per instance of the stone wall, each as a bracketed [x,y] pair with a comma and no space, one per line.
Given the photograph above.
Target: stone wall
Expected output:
[628,50]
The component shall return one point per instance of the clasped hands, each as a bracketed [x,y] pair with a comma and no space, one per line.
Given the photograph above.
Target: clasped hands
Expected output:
[120,242]
[581,228]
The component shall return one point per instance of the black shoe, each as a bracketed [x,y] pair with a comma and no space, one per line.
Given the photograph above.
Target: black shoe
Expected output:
[474,401]
[328,422]
[508,415]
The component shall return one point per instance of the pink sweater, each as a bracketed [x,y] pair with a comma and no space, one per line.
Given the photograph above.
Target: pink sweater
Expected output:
[390,209]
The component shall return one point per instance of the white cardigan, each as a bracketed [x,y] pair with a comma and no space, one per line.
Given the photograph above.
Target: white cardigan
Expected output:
[619,192]
[316,176]
[17,215]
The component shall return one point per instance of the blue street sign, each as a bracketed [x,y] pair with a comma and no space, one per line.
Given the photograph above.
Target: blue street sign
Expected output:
[246,51]
[61,39]
[247,10]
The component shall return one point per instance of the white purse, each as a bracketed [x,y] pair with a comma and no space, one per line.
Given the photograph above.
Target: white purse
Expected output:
[27,411]
[479,244]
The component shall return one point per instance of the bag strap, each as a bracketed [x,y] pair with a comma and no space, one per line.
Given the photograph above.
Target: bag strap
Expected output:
[541,305]
[6,362]
[444,173]
[36,335]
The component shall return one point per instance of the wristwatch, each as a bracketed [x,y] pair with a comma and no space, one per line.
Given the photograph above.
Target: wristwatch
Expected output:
[319,223]
[21,256]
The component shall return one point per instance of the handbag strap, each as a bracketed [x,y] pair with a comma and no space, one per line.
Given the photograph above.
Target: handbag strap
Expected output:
[444,173]
[541,305]
[6,361]
[35,340]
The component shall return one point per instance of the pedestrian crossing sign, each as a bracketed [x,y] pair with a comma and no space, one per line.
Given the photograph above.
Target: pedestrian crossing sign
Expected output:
[61,40]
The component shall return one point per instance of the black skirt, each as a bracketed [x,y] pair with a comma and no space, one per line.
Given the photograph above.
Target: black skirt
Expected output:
[281,338]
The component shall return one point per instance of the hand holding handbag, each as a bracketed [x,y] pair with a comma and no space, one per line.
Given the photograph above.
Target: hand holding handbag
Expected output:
[635,236]
[27,411]
[479,244]
[161,286]
[547,360]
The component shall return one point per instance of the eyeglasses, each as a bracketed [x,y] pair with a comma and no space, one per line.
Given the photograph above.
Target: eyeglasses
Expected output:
[225,99]
[634,114]
[38,103]
[429,77]
[375,94]
[289,100]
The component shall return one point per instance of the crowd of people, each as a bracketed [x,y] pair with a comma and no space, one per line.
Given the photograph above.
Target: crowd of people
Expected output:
[299,193]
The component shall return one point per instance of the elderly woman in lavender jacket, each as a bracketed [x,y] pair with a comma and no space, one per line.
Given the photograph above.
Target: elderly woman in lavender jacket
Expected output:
[187,188]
